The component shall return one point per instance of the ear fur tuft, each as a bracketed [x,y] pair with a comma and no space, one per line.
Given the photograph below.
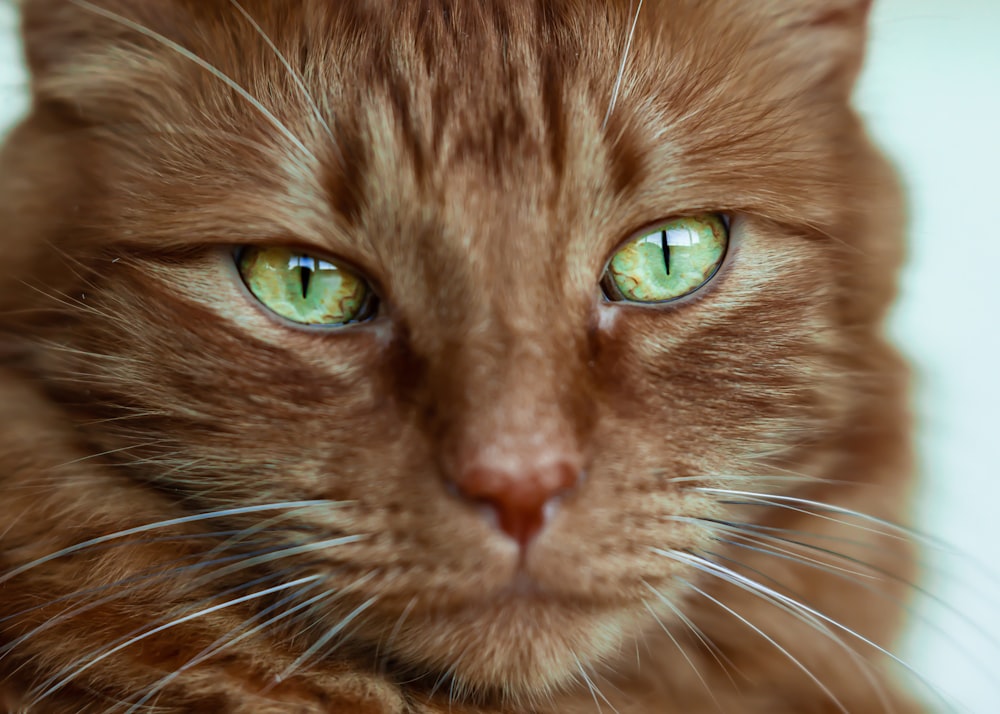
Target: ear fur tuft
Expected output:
[826,38]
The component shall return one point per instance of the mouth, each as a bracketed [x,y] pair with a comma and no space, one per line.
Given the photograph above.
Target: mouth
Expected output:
[523,585]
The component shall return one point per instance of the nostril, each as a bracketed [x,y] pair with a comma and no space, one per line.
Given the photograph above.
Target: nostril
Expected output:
[522,500]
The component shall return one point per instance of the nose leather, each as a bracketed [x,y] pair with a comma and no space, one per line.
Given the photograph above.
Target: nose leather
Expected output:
[519,498]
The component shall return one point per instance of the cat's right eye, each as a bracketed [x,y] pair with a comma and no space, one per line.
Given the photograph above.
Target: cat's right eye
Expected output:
[306,289]
[668,262]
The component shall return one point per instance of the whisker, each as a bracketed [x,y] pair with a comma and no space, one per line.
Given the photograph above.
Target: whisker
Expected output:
[126,417]
[850,576]
[229,640]
[137,585]
[447,675]
[756,533]
[325,639]
[397,627]
[224,513]
[595,691]
[621,68]
[680,648]
[756,528]
[451,694]
[855,576]
[769,594]
[894,529]
[67,301]
[76,266]
[140,576]
[794,660]
[10,525]
[110,452]
[267,524]
[284,552]
[774,547]
[791,477]
[52,688]
[864,666]
[177,472]
[724,662]
[296,76]
[211,69]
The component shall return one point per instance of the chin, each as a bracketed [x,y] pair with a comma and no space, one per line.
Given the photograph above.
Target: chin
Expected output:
[520,650]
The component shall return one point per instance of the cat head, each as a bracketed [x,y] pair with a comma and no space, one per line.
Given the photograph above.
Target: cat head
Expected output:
[493,438]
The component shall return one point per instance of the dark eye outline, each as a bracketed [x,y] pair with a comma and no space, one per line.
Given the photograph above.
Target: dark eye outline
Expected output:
[610,290]
[370,308]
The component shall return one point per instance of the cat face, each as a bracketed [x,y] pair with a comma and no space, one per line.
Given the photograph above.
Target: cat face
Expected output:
[494,467]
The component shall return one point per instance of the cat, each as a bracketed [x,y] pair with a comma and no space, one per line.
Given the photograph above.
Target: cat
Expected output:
[497,356]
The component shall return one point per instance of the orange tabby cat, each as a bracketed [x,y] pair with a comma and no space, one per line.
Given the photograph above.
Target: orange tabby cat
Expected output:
[435,356]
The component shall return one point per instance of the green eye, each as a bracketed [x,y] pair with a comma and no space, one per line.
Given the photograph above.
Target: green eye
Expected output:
[669,262]
[305,289]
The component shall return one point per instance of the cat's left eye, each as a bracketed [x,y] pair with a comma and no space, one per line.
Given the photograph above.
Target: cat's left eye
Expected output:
[668,262]
[306,289]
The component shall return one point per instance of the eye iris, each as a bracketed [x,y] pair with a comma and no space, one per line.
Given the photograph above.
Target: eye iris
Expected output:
[667,263]
[303,288]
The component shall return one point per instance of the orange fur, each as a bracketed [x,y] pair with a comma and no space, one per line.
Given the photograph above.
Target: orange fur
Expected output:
[469,159]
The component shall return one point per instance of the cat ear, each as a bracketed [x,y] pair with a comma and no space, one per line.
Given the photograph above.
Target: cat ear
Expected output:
[69,44]
[56,31]
[825,39]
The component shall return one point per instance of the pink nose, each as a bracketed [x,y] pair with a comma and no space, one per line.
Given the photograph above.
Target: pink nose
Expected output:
[519,499]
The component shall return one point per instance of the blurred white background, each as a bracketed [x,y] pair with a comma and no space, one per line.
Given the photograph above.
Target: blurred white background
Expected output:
[931,93]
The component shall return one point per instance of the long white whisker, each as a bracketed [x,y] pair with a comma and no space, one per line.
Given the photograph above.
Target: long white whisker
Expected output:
[145,628]
[325,639]
[162,524]
[446,675]
[595,692]
[229,640]
[849,575]
[396,628]
[296,76]
[794,660]
[280,554]
[864,666]
[788,478]
[174,623]
[755,528]
[773,595]
[680,648]
[710,647]
[244,534]
[621,68]
[136,577]
[895,530]
[769,546]
[451,694]
[214,71]
[136,585]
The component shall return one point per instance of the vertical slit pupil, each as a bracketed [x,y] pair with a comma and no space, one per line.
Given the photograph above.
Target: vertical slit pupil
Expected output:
[666,250]
[306,267]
